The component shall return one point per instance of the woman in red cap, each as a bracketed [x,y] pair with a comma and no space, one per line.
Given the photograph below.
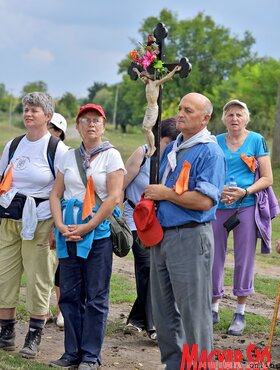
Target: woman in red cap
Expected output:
[83,238]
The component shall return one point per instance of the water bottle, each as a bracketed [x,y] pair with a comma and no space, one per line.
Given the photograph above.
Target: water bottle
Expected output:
[231,183]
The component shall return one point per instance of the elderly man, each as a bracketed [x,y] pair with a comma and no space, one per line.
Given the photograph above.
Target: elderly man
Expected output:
[192,173]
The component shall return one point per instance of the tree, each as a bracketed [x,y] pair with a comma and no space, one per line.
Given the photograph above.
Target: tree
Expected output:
[4,99]
[256,84]
[34,86]
[3,91]
[93,90]
[67,105]
[276,136]
[105,98]
[213,52]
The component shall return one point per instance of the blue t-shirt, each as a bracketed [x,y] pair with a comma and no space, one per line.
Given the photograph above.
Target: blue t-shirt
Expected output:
[254,145]
[207,175]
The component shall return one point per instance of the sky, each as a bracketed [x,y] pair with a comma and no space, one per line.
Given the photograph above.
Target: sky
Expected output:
[70,44]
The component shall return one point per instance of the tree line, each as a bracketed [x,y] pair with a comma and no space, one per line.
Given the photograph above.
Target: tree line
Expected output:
[224,67]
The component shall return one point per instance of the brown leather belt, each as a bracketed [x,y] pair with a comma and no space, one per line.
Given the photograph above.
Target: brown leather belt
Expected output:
[189,225]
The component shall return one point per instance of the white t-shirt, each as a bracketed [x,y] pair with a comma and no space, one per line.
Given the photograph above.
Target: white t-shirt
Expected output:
[31,171]
[104,163]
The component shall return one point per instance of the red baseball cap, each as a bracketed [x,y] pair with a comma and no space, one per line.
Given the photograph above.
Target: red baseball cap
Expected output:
[88,107]
[148,227]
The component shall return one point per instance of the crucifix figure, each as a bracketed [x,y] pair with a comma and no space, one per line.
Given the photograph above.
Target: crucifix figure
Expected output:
[152,119]
[152,94]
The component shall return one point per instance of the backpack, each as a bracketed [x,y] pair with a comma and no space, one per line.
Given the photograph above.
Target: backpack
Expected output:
[51,149]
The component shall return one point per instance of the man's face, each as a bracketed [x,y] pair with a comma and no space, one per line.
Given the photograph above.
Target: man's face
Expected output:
[191,117]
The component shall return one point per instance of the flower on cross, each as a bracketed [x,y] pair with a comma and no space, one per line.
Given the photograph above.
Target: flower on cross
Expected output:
[147,55]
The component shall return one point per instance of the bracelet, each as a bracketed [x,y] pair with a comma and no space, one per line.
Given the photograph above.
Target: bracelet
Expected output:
[246,194]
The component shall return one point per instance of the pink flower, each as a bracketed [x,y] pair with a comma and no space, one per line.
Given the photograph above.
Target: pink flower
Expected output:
[148,58]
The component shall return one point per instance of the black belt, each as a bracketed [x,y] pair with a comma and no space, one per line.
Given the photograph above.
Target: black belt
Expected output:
[189,225]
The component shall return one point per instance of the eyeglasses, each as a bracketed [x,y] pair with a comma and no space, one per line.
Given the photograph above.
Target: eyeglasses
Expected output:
[87,121]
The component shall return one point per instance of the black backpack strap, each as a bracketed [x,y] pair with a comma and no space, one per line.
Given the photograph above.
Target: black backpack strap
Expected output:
[52,145]
[132,205]
[13,146]
[145,148]
[12,149]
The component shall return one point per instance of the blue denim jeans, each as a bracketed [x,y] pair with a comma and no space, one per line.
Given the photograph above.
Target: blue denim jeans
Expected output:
[84,300]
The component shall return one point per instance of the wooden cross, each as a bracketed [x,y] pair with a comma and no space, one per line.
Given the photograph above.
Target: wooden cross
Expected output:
[160,33]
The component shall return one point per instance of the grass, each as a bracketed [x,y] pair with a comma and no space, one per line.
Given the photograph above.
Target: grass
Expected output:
[263,285]
[254,323]
[122,289]
[12,361]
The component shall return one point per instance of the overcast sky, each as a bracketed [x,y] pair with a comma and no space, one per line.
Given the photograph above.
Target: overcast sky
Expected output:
[70,44]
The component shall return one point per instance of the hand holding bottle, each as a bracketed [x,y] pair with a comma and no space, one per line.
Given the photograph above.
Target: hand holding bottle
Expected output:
[227,195]
[232,193]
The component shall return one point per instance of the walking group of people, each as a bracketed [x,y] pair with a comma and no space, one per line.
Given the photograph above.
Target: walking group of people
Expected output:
[179,280]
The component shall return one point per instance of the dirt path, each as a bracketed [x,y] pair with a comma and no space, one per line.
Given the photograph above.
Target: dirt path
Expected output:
[127,352]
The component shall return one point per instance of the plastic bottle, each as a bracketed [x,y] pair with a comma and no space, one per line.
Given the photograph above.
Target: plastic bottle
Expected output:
[231,183]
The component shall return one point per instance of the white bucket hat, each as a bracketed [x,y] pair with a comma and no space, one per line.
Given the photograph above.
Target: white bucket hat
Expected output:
[59,121]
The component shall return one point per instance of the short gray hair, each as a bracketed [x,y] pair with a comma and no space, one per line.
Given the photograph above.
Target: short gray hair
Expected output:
[39,99]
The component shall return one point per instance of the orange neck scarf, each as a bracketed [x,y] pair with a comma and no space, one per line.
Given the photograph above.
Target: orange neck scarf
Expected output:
[182,182]
[89,200]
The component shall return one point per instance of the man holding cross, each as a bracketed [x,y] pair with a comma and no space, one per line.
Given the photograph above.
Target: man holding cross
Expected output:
[192,172]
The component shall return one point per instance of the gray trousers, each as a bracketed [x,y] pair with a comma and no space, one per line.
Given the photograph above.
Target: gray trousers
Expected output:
[181,287]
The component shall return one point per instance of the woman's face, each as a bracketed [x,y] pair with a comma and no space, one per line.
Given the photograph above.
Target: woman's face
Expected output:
[53,130]
[91,126]
[34,116]
[235,118]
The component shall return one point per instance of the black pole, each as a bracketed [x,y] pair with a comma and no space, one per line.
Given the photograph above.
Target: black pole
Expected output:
[160,33]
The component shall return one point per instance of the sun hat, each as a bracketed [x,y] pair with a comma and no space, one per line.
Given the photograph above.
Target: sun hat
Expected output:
[148,227]
[89,107]
[235,102]
[59,121]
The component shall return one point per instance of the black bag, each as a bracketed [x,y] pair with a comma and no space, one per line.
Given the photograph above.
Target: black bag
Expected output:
[14,211]
[232,222]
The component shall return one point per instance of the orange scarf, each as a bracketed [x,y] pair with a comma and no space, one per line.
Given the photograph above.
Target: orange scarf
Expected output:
[7,181]
[182,183]
[89,200]
[250,161]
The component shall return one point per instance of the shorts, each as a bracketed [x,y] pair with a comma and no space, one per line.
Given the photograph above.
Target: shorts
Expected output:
[32,257]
